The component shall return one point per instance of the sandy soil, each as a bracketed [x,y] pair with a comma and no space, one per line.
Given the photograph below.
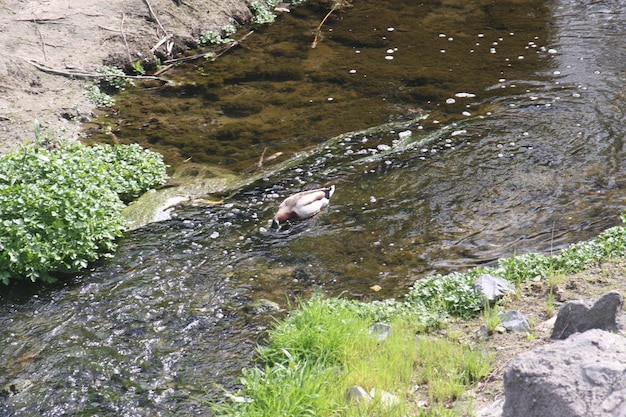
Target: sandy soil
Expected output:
[82,35]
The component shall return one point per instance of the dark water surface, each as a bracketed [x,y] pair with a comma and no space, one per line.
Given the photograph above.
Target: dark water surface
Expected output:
[529,97]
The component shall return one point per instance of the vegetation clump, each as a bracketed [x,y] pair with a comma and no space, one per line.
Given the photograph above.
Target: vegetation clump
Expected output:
[326,346]
[113,80]
[61,209]
[210,37]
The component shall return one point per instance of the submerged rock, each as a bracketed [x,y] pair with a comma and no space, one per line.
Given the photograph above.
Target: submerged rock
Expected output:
[188,182]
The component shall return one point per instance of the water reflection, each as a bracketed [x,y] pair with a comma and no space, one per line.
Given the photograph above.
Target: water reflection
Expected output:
[536,165]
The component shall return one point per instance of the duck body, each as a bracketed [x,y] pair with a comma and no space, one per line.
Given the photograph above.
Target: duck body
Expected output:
[302,205]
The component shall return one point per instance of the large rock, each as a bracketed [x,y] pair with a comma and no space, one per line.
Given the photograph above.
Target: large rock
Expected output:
[514,321]
[580,316]
[583,376]
[493,288]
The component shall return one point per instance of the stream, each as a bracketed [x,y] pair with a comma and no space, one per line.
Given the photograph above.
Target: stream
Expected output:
[507,135]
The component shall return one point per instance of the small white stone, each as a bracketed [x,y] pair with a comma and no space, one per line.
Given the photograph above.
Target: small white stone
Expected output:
[405,134]
[465,95]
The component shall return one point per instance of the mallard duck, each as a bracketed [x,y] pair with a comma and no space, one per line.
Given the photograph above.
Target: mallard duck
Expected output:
[302,205]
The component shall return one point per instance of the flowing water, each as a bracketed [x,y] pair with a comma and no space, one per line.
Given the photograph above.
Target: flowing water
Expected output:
[521,151]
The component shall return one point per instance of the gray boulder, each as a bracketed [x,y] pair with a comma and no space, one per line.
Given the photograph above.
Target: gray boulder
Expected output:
[380,330]
[583,376]
[580,316]
[493,288]
[514,321]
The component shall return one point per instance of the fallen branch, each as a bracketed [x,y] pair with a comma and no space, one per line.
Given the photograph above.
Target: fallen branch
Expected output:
[339,4]
[262,160]
[154,16]
[165,39]
[43,44]
[40,19]
[70,73]
[217,53]
[161,42]
[130,59]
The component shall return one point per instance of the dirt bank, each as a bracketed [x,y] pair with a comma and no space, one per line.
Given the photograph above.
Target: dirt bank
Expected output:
[82,35]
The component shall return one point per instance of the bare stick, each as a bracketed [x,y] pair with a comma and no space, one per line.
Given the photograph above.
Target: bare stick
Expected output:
[218,52]
[130,58]
[161,42]
[43,19]
[154,16]
[163,69]
[43,44]
[76,74]
[319,27]
[260,165]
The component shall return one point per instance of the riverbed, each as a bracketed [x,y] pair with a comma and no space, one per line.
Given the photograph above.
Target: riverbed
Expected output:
[504,136]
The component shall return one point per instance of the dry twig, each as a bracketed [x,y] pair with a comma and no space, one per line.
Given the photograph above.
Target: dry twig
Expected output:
[154,16]
[43,44]
[338,4]
[218,52]
[77,74]
[130,58]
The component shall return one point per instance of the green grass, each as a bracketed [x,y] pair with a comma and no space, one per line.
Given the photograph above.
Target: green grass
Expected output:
[491,317]
[449,368]
[324,346]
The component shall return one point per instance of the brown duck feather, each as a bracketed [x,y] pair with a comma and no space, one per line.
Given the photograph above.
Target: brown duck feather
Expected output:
[303,205]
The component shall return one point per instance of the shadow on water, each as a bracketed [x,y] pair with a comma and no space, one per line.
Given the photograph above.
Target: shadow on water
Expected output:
[534,164]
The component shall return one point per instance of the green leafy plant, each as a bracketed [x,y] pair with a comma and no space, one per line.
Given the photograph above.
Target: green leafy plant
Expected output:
[210,37]
[138,67]
[262,13]
[452,293]
[61,209]
[113,78]
[98,97]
